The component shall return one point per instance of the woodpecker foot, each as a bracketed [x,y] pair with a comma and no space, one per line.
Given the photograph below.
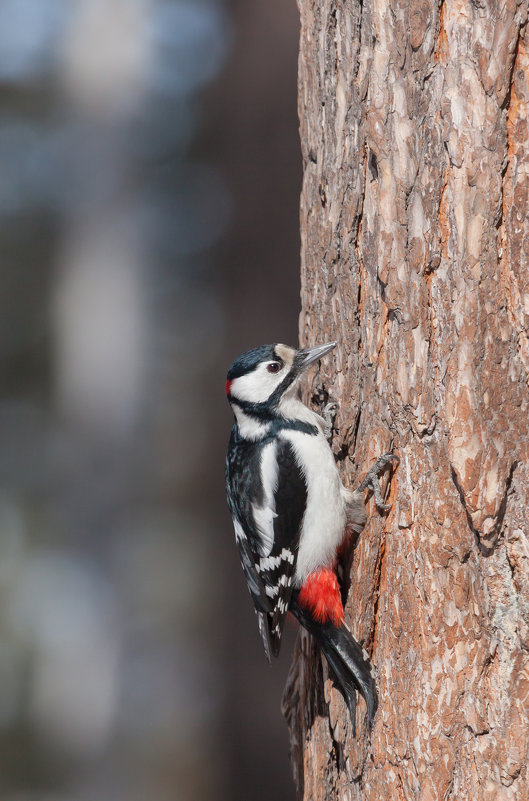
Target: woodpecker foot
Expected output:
[329,416]
[371,480]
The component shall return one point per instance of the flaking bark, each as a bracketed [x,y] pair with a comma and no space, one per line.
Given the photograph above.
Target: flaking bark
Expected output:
[415,247]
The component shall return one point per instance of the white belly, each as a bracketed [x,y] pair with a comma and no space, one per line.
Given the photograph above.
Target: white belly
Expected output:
[324,520]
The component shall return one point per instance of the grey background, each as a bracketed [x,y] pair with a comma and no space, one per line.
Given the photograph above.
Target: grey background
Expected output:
[149,181]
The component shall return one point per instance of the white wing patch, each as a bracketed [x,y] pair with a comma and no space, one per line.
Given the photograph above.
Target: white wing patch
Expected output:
[265,514]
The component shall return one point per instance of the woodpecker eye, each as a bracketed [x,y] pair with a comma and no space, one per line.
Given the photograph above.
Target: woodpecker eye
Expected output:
[273,367]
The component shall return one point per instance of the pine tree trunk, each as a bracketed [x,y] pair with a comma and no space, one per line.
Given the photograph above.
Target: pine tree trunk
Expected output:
[415,246]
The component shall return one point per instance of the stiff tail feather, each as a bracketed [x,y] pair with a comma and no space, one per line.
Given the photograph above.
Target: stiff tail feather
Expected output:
[350,666]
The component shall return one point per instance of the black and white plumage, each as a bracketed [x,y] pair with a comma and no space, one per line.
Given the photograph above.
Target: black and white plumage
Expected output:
[290,510]
[267,498]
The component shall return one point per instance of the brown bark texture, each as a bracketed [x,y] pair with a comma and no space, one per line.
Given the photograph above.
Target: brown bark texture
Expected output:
[415,249]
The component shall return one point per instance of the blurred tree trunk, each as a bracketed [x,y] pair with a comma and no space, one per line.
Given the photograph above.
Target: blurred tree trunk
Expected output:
[415,246]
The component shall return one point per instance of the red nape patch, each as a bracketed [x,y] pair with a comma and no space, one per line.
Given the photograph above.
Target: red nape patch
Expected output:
[320,594]
[228,386]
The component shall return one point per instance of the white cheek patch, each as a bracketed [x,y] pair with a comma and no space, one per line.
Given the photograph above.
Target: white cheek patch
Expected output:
[257,386]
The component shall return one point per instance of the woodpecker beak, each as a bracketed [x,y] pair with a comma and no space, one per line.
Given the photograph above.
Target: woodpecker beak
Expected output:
[307,356]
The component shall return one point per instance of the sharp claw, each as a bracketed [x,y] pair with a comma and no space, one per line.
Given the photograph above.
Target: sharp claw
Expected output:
[328,414]
[352,711]
[371,479]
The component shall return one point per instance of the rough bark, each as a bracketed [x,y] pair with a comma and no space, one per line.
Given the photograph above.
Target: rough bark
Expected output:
[414,221]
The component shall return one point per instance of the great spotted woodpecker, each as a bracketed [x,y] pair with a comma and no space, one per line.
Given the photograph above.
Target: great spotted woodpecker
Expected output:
[291,512]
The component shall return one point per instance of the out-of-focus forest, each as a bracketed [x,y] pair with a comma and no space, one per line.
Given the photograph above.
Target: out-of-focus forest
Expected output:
[149,181]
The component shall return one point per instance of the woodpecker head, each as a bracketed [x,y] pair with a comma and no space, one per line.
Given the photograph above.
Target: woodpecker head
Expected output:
[259,379]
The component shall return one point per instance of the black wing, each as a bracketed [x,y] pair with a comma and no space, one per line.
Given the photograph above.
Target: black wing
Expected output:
[242,467]
[245,487]
[267,495]
[278,573]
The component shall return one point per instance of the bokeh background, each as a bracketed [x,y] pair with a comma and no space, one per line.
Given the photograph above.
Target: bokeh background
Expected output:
[149,182]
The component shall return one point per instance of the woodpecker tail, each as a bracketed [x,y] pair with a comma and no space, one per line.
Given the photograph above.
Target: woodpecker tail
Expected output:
[347,659]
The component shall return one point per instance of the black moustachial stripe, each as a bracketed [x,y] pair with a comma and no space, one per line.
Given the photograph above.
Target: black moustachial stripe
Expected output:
[275,423]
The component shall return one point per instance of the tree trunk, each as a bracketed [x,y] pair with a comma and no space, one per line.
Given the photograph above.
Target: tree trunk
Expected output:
[414,223]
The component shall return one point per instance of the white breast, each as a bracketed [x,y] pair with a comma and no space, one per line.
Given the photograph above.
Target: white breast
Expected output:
[324,521]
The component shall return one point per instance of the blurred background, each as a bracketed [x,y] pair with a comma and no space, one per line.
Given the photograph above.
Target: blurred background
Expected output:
[149,181]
